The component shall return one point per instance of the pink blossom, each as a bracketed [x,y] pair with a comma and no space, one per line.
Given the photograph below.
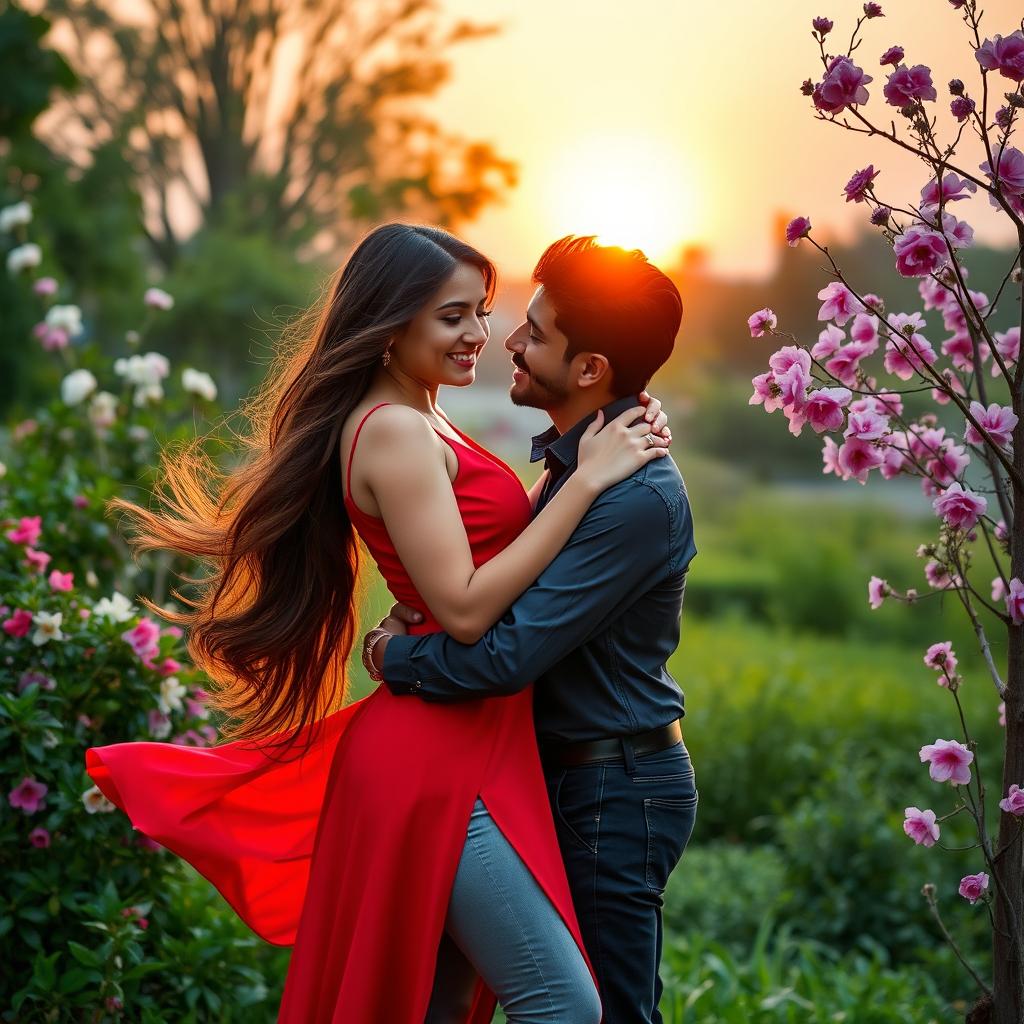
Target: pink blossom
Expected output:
[45,286]
[920,251]
[959,233]
[19,623]
[972,886]
[892,403]
[828,341]
[843,86]
[793,384]
[893,56]
[44,682]
[959,508]
[894,461]
[998,420]
[1010,169]
[865,329]
[37,560]
[905,85]
[821,25]
[940,656]
[961,107]
[29,795]
[952,188]
[857,458]
[1015,601]
[998,589]
[1002,713]
[169,666]
[939,577]
[1004,54]
[839,303]
[880,216]
[142,639]
[921,826]
[824,408]
[797,228]
[934,293]
[80,501]
[39,837]
[62,580]
[1008,347]
[761,323]
[904,357]
[846,362]
[867,426]
[878,590]
[27,531]
[858,187]
[51,337]
[830,459]
[873,10]
[1013,802]
[766,390]
[1001,532]
[949,760]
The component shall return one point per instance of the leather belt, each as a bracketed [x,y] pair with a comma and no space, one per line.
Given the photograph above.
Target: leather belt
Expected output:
[610,747]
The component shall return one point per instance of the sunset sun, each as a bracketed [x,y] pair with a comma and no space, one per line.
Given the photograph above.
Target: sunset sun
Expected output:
[628,191]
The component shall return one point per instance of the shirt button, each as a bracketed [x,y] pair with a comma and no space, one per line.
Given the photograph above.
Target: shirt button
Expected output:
[417,685]
[508,618]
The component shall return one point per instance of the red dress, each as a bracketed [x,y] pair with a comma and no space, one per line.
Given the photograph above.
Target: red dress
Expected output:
[350,851]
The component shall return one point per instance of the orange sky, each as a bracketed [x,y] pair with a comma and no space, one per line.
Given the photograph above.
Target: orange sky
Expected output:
[685,118]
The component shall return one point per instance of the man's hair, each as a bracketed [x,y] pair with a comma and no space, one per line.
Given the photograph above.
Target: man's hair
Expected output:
[614,302]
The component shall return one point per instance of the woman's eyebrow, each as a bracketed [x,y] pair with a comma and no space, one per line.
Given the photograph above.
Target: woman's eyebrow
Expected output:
[457,303]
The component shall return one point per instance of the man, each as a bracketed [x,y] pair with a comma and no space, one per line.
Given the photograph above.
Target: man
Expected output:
[596,629]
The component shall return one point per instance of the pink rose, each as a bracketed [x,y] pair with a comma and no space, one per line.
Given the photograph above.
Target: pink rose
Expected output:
[959,508]
[949,761]
[858,187]
[29,795]
[905,85]
[972,886]
[797,228]
[921,826]
[143,638]
[27,531]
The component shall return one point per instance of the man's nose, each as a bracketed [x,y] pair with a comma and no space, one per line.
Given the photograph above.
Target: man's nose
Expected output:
[516,341]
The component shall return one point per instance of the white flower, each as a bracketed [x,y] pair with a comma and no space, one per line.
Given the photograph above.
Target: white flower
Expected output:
[198,383]
[16,215]
[68,317]
[77,386]
[47,627]
[27,255]
[94,801]
[91,578]
[50,739]
[137,432]
[171,692]
[117,608]
[159,725]
[158,298]
[103,409]
[145,372]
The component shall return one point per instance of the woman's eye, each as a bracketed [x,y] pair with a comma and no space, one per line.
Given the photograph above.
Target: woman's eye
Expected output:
[452,319]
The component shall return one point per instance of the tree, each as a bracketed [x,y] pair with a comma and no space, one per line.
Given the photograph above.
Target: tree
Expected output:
[297,117]
[976,486]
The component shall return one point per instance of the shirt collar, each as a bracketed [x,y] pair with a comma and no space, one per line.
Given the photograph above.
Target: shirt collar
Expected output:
[561,451]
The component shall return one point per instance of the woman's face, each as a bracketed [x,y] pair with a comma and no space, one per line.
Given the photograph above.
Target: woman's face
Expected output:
[441,343]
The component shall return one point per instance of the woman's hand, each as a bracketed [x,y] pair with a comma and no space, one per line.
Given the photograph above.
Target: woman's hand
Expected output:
[655,415]
[618,450]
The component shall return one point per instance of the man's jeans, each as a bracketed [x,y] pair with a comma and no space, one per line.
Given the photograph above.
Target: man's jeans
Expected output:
[622,827]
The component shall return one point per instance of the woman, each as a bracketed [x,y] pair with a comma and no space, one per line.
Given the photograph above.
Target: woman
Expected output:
[409,853]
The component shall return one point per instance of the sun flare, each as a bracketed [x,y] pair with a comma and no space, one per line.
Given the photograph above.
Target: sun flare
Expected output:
[628,191]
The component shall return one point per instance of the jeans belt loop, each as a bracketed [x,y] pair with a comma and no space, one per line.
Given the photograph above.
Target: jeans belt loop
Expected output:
[627,753]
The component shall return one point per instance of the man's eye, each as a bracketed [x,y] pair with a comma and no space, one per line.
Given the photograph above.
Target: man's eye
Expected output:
[533,337]
[486,312]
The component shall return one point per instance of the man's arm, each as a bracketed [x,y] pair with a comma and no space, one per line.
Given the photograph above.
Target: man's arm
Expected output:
[623,541]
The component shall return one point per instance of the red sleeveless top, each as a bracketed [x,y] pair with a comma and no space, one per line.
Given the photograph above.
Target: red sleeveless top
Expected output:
[350,851]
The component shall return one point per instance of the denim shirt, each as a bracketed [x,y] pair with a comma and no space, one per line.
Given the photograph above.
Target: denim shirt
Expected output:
[595,631]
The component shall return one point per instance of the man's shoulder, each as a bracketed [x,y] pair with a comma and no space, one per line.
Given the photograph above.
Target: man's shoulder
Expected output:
[658,483]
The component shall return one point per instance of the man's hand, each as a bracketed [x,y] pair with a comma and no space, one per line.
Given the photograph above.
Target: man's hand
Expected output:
[655,416]
[395,623]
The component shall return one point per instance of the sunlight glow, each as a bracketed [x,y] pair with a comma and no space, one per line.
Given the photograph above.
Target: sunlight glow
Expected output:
[628,191]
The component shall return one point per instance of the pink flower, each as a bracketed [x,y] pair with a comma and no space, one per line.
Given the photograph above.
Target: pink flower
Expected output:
[859,185]
[949,761]
[880,216]
[830,459]
[824,408]
[893,56]
[822,25]
[80,501]
[1000,531]
[45,682]
[921,826]
[828,341]
[1003,54]
[39,837]
[857,458]
[867,425]
[45,286]
[143,638]
[766,390]
[1015,601]
[998,589]
[941,657]
[959,508]
[972,886]
[761,322]
[865,329]
[939,577]
[1013,802]
[1010,170]
[797,228]
[62,580]
[19,623]
[27,531]
[169,666]
[29,795]
[952,188]
[843,86]
[873,10]
[846,362]
[998,420]
[1002,713]
[37,560]
[920,251]
[839,303]
[878,590]
[961,107]
[904,357]
[1008,346]
[905,85]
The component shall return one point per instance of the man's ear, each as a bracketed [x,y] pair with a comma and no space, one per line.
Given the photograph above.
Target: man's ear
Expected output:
[593,369]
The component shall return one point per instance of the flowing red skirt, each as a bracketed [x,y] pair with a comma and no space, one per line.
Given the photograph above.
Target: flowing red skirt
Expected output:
[350,851]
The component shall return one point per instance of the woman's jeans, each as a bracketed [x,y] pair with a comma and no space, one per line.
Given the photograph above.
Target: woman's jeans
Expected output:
[502,927]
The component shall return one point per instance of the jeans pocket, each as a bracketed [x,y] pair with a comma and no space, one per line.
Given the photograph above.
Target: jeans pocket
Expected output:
[578,798]
[669,826]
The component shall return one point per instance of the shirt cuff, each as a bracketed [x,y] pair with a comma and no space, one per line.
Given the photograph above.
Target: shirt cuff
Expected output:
[399,676]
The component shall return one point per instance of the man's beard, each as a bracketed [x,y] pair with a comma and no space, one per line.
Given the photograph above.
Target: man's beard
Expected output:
[538,392]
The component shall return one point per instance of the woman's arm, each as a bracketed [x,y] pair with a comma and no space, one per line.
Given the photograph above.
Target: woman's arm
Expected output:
[404,466]
[534,491]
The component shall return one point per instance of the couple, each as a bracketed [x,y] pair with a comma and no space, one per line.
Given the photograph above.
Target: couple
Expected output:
[498,820]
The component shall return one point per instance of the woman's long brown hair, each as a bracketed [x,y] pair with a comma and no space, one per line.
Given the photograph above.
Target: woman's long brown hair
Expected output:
[275,619]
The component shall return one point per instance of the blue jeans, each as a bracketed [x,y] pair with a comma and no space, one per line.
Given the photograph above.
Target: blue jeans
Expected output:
[622,827]
[502,927]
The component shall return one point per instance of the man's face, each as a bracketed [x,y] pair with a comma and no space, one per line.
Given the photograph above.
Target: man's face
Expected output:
[541,378]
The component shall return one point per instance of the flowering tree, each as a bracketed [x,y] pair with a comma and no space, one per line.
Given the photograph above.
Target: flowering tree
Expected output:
[95,916]
[978,376]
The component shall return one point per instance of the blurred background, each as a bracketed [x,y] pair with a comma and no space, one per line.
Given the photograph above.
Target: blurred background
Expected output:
[232,152]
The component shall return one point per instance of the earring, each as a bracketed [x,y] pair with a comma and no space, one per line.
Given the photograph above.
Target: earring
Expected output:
[386,358]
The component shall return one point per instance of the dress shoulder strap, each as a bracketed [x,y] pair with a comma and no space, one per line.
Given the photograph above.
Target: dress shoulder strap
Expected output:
[351,451]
